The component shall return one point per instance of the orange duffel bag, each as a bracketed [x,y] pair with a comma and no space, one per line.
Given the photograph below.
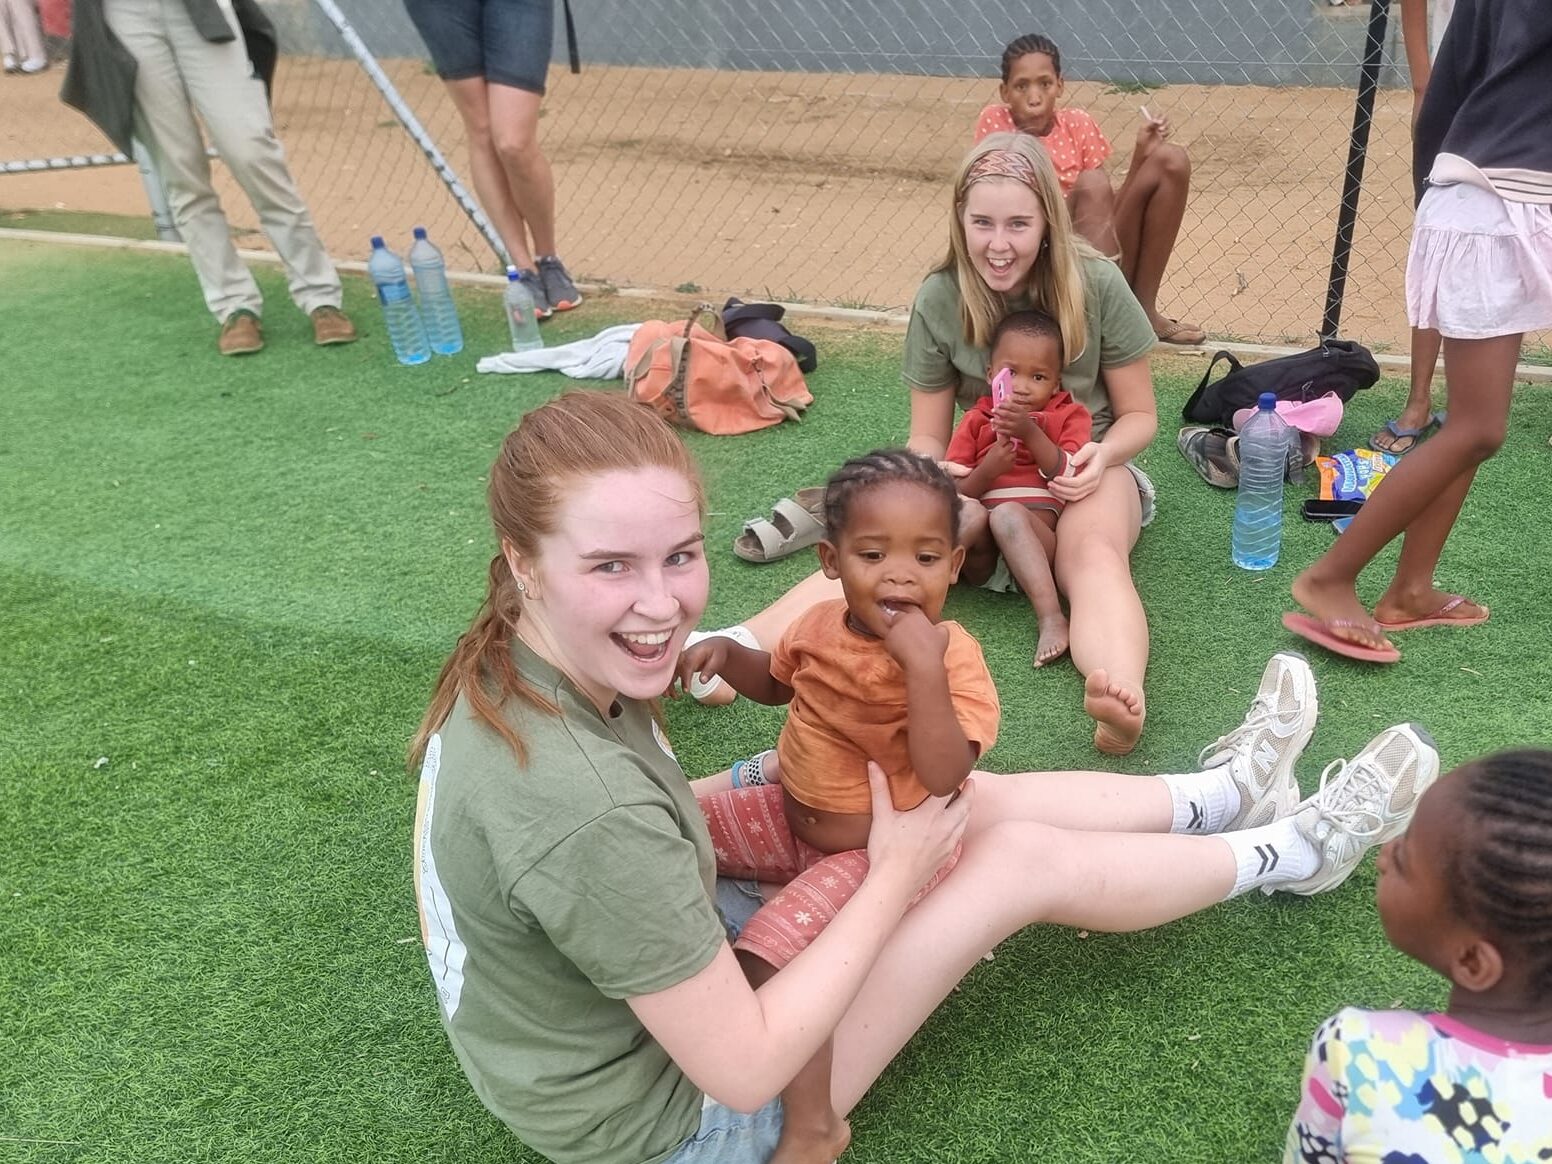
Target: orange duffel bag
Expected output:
[699,380]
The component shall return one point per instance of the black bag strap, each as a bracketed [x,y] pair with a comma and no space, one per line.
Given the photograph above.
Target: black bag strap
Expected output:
[571,38]
[1201,389]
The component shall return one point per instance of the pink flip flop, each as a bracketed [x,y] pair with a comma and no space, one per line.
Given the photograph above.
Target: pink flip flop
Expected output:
[1322,634]
[1440,617]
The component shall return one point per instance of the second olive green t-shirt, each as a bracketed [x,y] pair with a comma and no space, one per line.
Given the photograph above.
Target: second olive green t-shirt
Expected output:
[938,358]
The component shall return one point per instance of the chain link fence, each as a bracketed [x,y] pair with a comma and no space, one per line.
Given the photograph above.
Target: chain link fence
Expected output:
[804,151]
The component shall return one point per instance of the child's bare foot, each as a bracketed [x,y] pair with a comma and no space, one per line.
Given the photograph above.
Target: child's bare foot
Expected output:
[1117,711]
[1053,639]
[1336,605]
[819,1144]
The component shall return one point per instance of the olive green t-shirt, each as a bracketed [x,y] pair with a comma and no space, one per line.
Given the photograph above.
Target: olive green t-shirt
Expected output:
[939,358]
[552,891]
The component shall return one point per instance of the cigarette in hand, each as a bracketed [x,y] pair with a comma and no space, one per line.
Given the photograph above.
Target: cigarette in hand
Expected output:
[1146,116]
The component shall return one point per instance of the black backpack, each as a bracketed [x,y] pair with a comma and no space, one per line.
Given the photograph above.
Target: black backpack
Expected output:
[1340,366]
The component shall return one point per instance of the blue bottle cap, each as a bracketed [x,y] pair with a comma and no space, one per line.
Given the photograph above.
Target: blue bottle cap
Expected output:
[1267,402]
[377,242]
[513,274]
[420,232]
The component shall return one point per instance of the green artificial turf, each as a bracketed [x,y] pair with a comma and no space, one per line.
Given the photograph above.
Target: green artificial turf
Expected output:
[227,586]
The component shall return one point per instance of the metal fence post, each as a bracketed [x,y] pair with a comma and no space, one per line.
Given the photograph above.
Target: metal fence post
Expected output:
[1357,153]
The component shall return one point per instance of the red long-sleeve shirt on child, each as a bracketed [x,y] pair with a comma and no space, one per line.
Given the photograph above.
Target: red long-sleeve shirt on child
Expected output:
[1063,419]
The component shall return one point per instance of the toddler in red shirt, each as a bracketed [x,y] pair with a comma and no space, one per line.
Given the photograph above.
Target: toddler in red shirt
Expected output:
[1014,442]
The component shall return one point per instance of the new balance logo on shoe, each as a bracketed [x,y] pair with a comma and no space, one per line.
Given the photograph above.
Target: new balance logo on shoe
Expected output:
[1268,856]
[1266,755]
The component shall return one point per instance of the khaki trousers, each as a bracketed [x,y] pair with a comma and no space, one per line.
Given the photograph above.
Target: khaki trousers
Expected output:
[181,74]
[20,36]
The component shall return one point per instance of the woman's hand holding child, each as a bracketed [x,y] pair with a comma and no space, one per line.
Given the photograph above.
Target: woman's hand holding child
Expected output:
[914,845]
[1085,469]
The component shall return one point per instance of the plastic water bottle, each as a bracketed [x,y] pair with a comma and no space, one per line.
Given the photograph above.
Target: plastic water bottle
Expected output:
[1258,511]
[521,317]
[437,309]
[405,331]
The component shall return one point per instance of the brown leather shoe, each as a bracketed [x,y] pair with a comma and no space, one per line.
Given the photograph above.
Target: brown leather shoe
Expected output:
[240,334]
[332,326]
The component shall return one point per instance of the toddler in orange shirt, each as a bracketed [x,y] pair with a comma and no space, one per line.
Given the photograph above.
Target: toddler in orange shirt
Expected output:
[875,675]
[1136,225]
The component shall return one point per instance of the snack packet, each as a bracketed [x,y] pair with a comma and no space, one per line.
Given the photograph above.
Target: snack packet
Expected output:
[1353,475]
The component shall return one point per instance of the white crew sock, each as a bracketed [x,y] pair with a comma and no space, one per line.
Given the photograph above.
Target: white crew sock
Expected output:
[1202,801]
[1273,854]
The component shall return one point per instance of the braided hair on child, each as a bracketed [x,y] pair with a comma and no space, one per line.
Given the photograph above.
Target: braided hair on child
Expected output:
[885,467]
[1503,863]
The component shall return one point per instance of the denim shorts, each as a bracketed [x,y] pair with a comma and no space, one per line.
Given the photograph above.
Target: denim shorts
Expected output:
[731,1137]
[505,41]
[737,901]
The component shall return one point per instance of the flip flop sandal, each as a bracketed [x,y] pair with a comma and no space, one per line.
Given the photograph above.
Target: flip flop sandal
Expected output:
[1440,617]
[1186,334]
[1323,634]
[794,524]
[1394,435]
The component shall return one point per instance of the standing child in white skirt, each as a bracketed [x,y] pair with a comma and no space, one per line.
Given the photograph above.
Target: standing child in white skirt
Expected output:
[1480,272]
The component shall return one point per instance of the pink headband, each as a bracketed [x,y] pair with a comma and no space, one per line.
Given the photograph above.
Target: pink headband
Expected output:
[1001,164]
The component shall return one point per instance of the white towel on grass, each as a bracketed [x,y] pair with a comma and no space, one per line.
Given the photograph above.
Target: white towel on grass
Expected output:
[599,357]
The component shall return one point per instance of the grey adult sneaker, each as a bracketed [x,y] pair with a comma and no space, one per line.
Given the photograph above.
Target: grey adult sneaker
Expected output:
[1262,751]
[1213,453]
[1363,802]
[558,287]
[542,306]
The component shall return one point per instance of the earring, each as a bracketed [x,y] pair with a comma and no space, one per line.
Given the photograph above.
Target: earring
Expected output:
[521,589]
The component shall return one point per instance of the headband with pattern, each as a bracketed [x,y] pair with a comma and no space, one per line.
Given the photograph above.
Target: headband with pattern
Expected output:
[1001,164]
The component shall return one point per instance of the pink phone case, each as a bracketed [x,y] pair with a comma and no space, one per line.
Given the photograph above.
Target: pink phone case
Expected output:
[1000,392]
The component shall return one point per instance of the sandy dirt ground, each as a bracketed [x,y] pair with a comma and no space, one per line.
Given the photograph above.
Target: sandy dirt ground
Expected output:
[818,187]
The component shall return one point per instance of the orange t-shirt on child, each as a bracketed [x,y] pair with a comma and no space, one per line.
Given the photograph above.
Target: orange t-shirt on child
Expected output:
[1075,143]
[849,707]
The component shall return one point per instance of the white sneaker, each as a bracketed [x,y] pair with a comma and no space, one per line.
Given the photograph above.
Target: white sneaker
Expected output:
[10,63]
[1364,802]
[1262,751]
[34,65]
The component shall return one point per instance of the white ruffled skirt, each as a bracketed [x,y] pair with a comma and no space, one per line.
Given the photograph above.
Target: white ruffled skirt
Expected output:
[1480,266]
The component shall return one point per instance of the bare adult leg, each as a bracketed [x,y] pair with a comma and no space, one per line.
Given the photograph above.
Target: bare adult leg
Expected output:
[1148,212]
[1027,544]
[1010,876]
[1418,409]
[472,101]
[514,120]
[1092,203]
[1108,628]
[771,623]
[1422,495]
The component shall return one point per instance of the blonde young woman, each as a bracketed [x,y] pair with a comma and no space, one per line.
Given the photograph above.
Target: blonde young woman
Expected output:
[1012,246]
[566,879]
